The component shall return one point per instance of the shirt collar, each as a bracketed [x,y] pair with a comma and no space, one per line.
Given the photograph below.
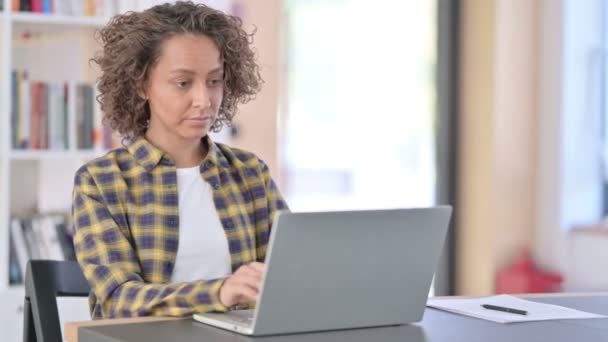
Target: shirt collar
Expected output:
[148,155]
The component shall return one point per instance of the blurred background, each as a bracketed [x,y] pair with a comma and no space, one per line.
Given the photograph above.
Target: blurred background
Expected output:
[497,107]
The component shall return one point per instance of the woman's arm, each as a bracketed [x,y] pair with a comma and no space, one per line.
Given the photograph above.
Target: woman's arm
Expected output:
[111,266]
[275,202]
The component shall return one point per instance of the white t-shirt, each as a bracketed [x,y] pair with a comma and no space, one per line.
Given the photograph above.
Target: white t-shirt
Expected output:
[202,252]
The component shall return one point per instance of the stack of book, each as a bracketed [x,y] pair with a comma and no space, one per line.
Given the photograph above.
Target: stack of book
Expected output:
[40,115]
[38,237]
[101,8]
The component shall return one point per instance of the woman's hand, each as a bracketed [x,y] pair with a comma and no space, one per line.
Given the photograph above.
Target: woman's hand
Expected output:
[243,286]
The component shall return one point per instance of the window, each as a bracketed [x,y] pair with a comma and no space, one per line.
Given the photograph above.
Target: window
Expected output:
[360,104]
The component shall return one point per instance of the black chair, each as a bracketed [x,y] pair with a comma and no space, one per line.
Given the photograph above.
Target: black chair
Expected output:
[45,280]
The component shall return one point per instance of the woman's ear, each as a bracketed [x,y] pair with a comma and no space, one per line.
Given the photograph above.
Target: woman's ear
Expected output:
[142,91]
[142,94]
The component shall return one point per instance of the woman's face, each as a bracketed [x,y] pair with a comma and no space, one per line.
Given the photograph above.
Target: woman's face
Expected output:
[185,88]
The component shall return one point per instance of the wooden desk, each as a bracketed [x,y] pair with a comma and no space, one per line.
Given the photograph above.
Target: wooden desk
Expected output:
[71,328]
[436,326]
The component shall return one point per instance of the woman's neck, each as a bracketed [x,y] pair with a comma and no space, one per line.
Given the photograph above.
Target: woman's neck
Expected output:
[183,153]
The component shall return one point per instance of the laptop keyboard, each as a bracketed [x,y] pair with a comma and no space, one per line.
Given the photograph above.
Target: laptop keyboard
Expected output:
[243,317]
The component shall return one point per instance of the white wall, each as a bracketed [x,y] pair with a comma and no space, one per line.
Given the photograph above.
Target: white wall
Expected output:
[497,173]
[258,120]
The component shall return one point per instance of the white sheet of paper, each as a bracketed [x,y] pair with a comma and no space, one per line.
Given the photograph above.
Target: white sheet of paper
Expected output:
[536,311]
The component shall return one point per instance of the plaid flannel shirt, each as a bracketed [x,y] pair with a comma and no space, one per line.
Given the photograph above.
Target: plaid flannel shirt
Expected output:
[125,214]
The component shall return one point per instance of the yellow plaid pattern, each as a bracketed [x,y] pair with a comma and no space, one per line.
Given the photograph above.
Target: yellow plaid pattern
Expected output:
[126,222]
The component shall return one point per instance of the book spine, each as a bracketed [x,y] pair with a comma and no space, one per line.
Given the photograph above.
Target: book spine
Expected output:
[52,117]
[15,274]
[41,242]
[25,104]
[51,240]
[46,6]
[15,137]
[35,132]
[30,239]
[66,116]
[25,6]
[21,249]
[80,116]
[98,138]
[44,116]
[36,6]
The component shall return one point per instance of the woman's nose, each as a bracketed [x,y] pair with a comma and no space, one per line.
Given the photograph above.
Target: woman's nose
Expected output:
[200,96]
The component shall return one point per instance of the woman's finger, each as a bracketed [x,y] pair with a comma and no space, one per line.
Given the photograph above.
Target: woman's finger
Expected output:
[253,281]
[246,294]
[258,266]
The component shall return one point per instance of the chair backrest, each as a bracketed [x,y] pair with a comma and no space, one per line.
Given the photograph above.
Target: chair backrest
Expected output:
[45,280]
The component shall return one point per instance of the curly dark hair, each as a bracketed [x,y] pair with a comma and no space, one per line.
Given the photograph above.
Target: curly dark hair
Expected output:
[132,44]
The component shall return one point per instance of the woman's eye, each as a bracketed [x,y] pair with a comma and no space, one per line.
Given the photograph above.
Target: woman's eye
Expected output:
[216,82]
[182,84]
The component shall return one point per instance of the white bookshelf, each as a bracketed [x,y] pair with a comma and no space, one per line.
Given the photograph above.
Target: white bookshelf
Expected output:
[57,50]
[54,155]
[57,21]
[36,181]
[5,67]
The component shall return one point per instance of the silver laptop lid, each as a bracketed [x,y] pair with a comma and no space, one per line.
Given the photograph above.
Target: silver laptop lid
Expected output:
[338,270]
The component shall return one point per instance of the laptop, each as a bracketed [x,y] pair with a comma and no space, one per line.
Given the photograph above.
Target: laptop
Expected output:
[343,270]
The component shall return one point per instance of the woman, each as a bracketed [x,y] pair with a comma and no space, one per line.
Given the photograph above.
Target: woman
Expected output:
[173,223]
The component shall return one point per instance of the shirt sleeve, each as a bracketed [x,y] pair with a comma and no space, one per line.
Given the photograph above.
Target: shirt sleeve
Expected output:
[110,264]
[275,202]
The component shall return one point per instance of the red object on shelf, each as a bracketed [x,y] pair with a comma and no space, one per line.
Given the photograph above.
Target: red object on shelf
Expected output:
[522,276]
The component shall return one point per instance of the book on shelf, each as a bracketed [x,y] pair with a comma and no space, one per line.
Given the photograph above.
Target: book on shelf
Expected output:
[84,116]
[21,5]
[97,8]
[40,115]
[15,276]
[45,236]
